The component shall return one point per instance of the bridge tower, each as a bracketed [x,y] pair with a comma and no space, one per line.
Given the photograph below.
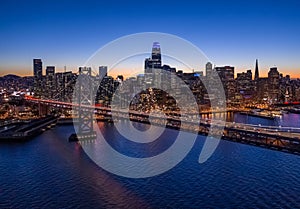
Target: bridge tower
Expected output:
[43,109]
[84,99]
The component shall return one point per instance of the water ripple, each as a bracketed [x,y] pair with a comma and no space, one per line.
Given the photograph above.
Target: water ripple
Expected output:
[49,172]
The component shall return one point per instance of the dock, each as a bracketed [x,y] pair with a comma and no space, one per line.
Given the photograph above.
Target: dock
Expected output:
[22,131]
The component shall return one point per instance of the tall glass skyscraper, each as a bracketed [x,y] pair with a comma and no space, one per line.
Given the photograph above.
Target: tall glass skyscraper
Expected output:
[155,61]
[38,77]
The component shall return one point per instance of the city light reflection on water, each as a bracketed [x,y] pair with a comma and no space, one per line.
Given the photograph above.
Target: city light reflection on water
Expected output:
[48,171]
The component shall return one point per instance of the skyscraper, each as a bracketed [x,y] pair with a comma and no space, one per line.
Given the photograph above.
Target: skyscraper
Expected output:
[102,72]
[156,54]
[245,85]
[256,77]
[155,61]
[50,81]
[50,70]
[208,69]
[153,65]
[38,76]
[273,84]
[59,86]
[68,85]
[226,75]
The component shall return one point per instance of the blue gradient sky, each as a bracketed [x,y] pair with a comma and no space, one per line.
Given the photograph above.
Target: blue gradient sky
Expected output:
[228,32]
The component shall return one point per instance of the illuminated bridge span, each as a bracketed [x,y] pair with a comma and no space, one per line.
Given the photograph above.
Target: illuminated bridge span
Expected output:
[273,137]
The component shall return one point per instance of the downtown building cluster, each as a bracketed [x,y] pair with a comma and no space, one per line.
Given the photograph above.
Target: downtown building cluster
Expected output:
[246,90]
[158,85]
[56,86]
[240,91]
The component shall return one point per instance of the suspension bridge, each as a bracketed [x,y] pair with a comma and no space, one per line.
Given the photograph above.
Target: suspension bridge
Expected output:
[280,138]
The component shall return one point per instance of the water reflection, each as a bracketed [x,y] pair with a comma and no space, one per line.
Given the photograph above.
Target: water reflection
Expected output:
[50,172]
[289,120]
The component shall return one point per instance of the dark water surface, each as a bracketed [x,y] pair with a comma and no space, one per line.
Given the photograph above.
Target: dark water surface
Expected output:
[50,172]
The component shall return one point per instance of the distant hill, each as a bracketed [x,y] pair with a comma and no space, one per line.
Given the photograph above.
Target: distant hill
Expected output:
[11,76]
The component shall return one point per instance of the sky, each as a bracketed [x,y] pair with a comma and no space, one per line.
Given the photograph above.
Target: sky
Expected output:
[66,33]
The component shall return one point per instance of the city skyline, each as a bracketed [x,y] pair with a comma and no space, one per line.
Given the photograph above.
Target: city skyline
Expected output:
[229,33]
[149,104]
[134,72]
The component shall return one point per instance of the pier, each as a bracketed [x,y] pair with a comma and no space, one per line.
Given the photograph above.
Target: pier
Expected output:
[21,131]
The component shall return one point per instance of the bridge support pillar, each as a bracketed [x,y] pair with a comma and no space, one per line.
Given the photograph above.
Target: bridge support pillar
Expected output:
[84,99]
[43,109]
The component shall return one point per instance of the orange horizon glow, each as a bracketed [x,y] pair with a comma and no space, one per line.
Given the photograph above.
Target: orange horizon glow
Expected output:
[295,73]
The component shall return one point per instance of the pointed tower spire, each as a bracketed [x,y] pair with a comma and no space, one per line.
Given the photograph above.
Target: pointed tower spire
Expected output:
[256,77]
